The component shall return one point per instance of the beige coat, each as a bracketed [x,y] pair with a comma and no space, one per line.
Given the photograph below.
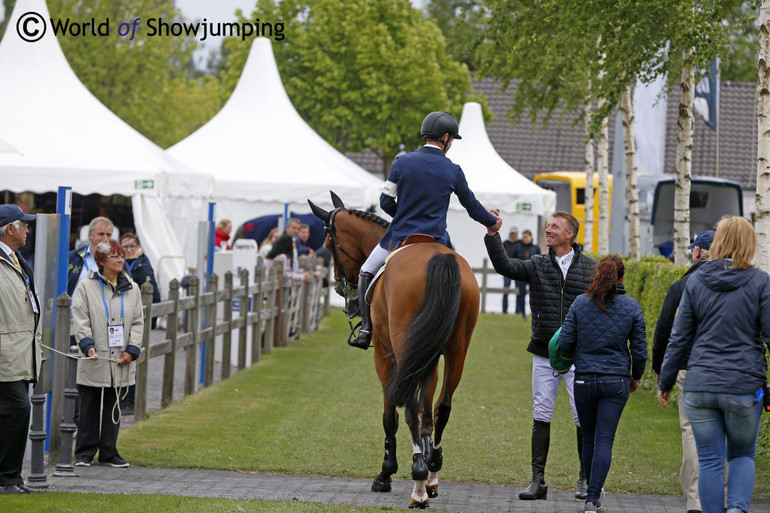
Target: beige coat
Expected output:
[21,350]
[89,325]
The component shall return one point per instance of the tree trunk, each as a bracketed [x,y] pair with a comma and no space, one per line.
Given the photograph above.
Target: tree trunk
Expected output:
[632,192]
[762,257]
[603,165]
[588,233]
[684,165]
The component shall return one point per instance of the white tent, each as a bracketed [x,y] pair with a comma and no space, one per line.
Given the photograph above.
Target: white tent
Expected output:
[61,135]
[264,155]
[496,184]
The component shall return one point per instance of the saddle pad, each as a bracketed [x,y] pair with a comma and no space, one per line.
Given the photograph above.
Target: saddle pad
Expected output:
[370,289]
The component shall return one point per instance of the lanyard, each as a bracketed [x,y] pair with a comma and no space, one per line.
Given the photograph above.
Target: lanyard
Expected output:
[131,267]
[107,308]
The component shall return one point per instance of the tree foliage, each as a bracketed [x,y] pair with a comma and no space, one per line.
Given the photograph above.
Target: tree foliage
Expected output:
[362,73]
[555,49]
[149,82]
[462,23]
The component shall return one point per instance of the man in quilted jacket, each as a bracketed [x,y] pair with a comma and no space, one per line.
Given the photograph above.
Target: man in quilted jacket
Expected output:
[555,280]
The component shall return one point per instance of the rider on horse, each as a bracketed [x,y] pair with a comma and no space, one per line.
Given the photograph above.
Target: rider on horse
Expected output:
[423,181]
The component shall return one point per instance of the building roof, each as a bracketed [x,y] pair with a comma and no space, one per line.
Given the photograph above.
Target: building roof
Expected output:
[560,145]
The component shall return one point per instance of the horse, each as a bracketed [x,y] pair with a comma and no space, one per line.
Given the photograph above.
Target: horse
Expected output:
[424,305]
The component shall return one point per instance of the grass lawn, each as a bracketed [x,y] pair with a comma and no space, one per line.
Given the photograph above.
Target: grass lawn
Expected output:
[92,503]
[315,408]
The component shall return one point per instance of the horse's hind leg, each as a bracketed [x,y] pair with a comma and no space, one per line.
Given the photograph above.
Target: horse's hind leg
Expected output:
[382,483]
[419,498]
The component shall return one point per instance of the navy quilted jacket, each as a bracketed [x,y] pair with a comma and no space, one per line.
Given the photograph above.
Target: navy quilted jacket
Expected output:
[601,340]
[550,295]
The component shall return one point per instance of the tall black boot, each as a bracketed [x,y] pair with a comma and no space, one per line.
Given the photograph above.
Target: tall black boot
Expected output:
[582,486]
[541,440]
[365,333]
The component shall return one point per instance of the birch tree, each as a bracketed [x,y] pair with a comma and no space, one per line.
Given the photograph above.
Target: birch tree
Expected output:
[632,191]
[762,257]
[603,168]
[685,127]
[588,234]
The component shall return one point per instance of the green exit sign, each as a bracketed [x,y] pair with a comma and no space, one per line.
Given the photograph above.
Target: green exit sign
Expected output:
[524,206]
[144,184]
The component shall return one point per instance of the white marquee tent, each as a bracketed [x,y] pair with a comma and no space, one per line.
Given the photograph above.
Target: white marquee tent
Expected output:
[58,134]
[264,155]
[496,184]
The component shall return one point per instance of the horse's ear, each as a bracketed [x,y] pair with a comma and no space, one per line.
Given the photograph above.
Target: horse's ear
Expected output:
[336,201]
[320,213]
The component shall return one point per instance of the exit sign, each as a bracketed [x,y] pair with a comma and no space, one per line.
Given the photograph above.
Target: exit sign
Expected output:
[144,184]
[524,206]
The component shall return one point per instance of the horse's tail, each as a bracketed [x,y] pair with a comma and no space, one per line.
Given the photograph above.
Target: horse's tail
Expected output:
[428,331]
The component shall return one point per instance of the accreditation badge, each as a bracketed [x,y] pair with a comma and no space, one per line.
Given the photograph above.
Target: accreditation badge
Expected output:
[115,335]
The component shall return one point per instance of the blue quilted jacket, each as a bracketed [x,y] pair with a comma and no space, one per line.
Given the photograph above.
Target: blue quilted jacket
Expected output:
[611,342]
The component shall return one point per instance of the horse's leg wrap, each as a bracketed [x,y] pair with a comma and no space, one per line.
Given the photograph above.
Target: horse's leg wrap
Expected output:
[419,468]
[389,462]
[435,459]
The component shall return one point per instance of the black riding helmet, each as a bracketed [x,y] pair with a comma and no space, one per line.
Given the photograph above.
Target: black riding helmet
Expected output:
[437,124]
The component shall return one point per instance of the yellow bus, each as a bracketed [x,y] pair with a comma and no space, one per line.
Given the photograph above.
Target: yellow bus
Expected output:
[570,189]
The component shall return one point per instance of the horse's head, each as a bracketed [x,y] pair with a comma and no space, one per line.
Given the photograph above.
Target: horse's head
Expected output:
[350,237]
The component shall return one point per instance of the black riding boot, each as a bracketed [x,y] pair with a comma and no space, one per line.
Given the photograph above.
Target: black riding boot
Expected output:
[541,439]
[365,333]
[582,487]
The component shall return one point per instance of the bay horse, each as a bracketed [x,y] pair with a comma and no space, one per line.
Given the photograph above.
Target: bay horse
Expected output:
[425,305]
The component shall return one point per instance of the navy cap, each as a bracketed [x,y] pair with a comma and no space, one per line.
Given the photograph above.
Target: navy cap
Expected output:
[11,213]
[703,240]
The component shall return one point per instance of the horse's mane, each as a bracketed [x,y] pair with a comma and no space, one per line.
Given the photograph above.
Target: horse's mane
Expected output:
[369,216]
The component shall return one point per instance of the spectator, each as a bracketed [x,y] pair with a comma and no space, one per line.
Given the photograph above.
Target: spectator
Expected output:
[523,251]
[285,244]
[597,331]
[139,269]
[688,474]
[81,261]
[107,322]
[423,181]
[723,316]
[267,243]
[555,280]
[302,238]
[21,347]
[510,244]
[222,234]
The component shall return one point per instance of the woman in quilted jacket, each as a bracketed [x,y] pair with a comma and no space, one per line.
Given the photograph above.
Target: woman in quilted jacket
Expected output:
[605,332]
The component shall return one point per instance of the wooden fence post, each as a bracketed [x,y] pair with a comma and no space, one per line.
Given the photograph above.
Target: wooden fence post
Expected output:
[243,321]
[256,326]
[143,362]
[279,332]
[61,343]
[270,326]
[169,359]
[194,328]
[227,336]
[211,323]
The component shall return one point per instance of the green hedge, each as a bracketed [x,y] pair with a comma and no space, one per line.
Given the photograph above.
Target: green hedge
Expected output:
[647,281]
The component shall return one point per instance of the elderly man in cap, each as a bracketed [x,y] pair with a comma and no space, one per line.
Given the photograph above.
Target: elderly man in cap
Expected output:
[509,245]
[688,474]
[20,351]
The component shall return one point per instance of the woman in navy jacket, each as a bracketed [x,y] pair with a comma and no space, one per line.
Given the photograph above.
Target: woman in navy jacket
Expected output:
[598,328]
[723,317]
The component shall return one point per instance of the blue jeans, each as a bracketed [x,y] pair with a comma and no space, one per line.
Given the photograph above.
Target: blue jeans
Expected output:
[716,417]
[521,297]
[599,399]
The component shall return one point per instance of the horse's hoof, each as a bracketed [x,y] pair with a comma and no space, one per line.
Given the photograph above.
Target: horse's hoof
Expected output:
[381,486]
[432,490]
[415,504]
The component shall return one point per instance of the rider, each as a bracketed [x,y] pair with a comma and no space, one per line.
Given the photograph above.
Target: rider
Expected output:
[423,181]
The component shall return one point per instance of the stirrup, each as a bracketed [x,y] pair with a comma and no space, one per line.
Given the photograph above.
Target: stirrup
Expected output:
[353,338]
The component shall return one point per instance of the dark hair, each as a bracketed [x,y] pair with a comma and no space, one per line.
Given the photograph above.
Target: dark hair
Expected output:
[604,286]
[102,250]
[129,235]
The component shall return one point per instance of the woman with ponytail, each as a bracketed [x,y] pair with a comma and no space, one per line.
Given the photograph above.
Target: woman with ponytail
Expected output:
[605,332]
